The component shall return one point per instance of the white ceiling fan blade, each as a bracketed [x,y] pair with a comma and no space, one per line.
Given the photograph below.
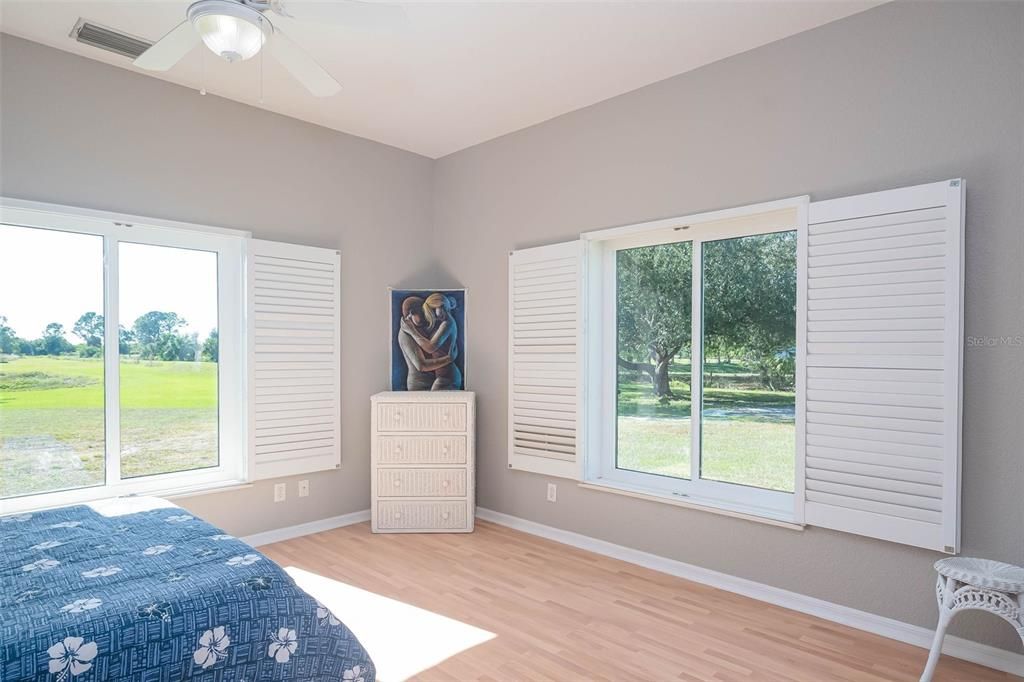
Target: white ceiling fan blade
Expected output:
[168,51]
[363,16]
[303,67]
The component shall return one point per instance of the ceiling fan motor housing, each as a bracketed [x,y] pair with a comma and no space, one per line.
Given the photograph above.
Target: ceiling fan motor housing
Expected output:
[231,29]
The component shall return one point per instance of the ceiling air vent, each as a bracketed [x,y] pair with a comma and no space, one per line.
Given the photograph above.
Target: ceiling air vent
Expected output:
[109,39]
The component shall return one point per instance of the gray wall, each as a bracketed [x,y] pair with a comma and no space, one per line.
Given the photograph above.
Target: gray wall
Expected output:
[78,132]
[899,95]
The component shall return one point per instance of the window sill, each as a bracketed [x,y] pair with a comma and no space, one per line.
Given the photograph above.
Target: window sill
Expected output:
[39,502]
[219,487]
[713,506]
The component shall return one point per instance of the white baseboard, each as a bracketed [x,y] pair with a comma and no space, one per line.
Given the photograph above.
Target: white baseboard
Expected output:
[975,652]
[319,526]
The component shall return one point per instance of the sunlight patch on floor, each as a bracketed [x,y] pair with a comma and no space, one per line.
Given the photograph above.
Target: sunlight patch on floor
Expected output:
[403,640]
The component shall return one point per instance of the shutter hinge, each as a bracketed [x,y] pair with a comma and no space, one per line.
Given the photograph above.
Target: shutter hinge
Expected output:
[954,183]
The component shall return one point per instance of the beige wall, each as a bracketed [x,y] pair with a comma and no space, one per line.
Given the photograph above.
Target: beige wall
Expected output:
[898,95]
[75,131]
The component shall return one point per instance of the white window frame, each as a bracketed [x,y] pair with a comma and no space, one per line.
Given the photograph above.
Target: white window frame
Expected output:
[232,467]
[600,461]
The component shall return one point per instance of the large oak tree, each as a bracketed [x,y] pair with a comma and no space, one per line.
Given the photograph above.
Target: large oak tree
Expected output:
[749,305]
[653,292]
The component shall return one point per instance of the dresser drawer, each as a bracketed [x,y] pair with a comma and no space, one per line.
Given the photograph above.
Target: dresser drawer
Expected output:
[421,417]
[421,450]
[421,482]
[412,515]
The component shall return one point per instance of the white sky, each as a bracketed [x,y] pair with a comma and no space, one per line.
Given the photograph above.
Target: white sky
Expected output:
[48,276]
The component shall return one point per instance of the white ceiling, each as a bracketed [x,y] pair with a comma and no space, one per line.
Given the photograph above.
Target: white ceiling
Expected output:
[460,73]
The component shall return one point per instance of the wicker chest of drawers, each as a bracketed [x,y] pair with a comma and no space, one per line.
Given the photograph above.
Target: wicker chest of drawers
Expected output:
[422,462]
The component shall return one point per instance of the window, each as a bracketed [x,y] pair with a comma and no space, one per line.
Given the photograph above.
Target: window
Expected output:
[698,395]
[168,364]
[653,313]
[748,409]
[794,361]
[121,358]
[51,394]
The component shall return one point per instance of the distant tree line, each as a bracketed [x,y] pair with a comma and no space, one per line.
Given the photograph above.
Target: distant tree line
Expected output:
[155,335]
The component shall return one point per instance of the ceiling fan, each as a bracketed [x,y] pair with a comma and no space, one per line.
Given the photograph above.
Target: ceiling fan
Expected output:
[236,30]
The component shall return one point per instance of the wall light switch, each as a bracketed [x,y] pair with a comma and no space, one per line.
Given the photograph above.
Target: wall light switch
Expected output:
[280,492]
[552,492]
[304,488]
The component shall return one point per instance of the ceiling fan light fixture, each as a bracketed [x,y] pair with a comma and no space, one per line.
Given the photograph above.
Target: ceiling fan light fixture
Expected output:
[230,29]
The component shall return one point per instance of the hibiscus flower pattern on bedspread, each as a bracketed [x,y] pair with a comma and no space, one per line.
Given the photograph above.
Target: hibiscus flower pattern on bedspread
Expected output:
[157,596]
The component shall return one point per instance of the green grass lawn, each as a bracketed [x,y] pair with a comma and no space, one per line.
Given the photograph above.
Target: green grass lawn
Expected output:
[52,420]
[748,435]
[52,424]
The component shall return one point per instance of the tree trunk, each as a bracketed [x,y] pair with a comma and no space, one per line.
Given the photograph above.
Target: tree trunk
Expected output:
[660,379]
[657,373]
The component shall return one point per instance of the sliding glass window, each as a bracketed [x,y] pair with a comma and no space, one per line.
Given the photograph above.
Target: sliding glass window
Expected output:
[168,364]
[121,352]
[52,431]
[701,357]
[748,415]
[653,304]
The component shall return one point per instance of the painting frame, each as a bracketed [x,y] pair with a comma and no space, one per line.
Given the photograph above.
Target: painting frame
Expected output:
[397,378]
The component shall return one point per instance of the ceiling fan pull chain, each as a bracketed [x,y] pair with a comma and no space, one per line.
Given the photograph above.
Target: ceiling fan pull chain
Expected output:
[262,40]
[202,72]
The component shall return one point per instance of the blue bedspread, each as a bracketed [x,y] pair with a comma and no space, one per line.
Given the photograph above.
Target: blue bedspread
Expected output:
[157,595]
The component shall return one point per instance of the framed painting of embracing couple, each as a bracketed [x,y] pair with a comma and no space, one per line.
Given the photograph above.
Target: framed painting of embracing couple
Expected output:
[428,339]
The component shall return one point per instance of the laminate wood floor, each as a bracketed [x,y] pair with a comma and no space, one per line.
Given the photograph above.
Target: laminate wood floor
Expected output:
[499,605]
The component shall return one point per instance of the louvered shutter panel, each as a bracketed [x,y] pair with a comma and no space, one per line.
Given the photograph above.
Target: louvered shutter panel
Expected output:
[294,358]
[883,364]
[546,359]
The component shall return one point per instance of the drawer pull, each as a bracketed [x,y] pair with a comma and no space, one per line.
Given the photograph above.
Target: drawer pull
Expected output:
[445,516]
[445,483]
[398,515]
[445,449]
[398,483]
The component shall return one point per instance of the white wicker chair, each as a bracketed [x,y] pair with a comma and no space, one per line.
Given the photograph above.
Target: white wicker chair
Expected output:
[966,583]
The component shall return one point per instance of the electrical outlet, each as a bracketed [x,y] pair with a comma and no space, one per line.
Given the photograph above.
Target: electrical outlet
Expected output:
[304,488]
[552,492]
[280,492]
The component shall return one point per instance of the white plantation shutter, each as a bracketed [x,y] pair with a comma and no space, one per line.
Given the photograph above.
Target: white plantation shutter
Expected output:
[883,360]
[294,358]
[546,359]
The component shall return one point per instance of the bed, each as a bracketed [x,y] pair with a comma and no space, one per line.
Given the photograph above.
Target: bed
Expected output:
[139,589]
